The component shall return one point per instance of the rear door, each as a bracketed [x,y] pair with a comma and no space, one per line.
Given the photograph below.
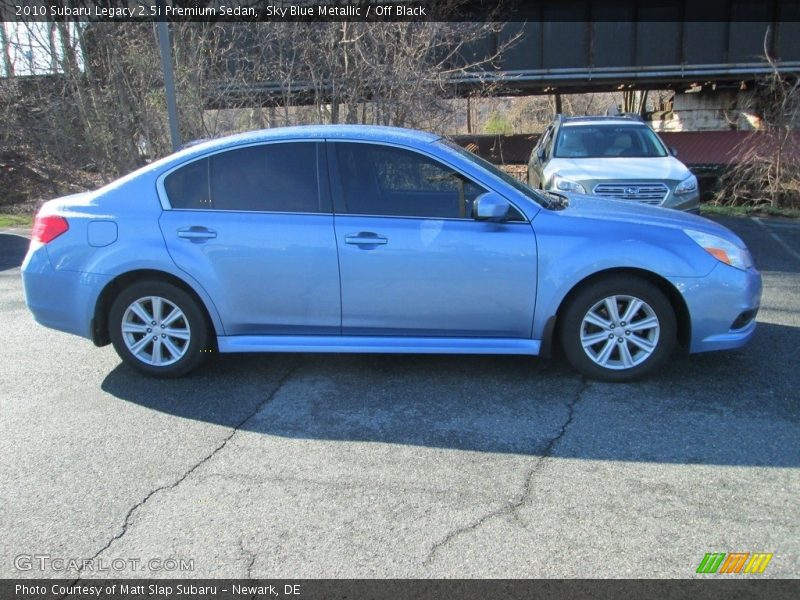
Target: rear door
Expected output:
[253,226]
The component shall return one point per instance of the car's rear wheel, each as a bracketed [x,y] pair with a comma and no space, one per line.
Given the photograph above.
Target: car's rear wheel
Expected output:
[618,329]
[158,329]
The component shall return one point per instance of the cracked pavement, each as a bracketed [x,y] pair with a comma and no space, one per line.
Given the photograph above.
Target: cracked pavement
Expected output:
[403,466]
[512,507]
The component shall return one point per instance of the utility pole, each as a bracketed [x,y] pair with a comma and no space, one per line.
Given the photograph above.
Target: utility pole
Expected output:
[169,81]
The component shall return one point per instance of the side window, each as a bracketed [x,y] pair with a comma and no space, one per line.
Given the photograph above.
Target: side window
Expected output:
[271,177]
[381,180]
[188,186]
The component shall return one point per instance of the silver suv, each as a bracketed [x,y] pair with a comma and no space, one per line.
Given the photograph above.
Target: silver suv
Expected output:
[613,157]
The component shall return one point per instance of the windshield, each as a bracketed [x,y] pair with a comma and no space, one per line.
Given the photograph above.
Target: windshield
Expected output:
[494,170]
[608,141]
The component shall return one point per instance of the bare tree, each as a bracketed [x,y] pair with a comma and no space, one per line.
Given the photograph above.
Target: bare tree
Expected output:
[768,167]
[96,105]
[387,73]
[8,64]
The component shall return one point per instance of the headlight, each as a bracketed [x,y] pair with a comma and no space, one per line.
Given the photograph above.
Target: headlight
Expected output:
[566,185]
[722,249]
[687,185]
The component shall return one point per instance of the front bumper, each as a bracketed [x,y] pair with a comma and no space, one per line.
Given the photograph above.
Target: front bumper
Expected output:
[722,307]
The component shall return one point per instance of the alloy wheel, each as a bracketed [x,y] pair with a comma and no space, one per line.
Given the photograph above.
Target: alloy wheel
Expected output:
[620,332]
[156,331]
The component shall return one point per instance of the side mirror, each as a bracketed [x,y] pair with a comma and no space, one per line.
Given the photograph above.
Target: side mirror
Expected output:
[490,207]
[673,150]
[540,154]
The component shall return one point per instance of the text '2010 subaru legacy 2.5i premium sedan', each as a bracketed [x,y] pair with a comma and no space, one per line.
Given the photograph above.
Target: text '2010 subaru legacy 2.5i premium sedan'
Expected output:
[612,157]
[372,239]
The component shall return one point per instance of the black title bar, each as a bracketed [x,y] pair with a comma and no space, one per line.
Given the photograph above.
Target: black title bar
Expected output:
[711,587]
[543,11]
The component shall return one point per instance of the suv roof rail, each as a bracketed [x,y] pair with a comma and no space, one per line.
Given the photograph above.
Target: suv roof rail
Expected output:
[622,116]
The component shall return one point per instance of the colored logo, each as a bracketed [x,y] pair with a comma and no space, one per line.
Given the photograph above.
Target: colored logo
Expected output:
[734,562]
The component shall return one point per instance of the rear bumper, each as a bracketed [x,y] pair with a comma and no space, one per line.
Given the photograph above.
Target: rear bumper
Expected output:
[62,300]
[723,307]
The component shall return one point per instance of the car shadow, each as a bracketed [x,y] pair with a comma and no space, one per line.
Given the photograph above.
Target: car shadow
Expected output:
[714,409]
[12,250]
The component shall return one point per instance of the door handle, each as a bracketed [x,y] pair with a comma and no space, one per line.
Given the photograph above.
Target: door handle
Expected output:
[365,238]
[196,233]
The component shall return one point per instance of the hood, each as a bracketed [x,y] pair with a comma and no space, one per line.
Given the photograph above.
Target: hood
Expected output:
[592,207]
[597,169]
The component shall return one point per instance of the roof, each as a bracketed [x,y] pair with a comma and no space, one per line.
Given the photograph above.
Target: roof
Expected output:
[398,135]
[352,132]
[615,120]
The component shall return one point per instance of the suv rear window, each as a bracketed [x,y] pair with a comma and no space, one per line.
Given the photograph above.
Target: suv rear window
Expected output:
[608,141]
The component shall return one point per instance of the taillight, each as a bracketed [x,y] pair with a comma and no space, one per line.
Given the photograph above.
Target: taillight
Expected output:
[48,227]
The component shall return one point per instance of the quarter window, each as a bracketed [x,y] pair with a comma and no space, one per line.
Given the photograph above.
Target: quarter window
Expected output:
[270,177]
[187,187]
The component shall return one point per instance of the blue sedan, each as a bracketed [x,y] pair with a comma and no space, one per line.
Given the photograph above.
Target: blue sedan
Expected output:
[374,239]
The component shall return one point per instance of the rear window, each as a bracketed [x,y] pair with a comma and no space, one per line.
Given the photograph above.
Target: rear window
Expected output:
[269,178]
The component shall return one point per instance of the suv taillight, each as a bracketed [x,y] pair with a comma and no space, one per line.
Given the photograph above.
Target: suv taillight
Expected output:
[48,227]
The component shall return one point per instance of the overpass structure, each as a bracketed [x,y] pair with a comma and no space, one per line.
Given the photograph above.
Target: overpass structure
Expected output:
[575,46]
[578,46]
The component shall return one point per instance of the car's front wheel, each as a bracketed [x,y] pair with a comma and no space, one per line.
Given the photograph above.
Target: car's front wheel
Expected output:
[158,328]
[618,329]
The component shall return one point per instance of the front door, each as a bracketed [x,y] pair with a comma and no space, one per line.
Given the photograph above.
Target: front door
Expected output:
[414,262]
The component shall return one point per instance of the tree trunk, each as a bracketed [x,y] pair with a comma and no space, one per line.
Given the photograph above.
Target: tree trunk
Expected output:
[69,58]
[8,64]
[53,45]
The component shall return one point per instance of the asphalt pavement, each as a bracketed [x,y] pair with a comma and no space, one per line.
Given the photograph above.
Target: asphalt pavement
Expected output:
[399,466]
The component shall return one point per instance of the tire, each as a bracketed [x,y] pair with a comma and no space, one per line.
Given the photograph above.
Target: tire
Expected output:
[605,346]
[159,329]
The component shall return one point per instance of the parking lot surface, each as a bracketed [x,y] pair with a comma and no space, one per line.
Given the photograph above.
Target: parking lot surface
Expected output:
[400,466]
